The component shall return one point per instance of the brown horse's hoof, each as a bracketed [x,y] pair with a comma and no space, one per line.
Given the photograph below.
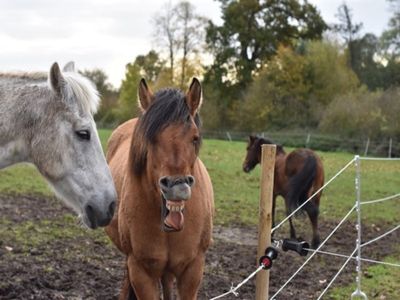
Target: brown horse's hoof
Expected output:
[315,242]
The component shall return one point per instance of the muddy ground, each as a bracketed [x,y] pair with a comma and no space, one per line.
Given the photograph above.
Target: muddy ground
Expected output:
[44,255]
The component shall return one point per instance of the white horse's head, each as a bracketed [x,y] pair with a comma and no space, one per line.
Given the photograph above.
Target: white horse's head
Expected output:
[66,148]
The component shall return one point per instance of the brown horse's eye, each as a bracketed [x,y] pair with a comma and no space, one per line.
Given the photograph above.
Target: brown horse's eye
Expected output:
[196,140]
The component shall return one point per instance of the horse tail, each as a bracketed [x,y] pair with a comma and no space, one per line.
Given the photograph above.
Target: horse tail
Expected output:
[301,183]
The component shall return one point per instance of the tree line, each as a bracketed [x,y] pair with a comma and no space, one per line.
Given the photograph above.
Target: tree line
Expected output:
[271,65]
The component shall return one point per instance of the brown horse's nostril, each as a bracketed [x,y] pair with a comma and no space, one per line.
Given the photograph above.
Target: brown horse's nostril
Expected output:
[164,182]
[190,180]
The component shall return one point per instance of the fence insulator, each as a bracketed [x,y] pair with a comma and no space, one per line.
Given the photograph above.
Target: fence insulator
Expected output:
[299,246]
[270,255]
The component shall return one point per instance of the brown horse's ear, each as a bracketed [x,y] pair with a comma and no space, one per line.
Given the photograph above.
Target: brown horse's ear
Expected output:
[194,96]
[251,138]
[145,95]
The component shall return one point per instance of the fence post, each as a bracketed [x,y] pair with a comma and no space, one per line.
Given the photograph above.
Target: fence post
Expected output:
[366,148]
[308,140]
[358,294]
[228,135]
[390,148]
[265,215]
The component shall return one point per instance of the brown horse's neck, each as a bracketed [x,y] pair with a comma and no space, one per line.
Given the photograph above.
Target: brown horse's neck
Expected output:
[280,150]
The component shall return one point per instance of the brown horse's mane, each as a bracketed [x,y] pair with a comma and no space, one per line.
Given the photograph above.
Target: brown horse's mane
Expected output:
[169,107]
[263,141]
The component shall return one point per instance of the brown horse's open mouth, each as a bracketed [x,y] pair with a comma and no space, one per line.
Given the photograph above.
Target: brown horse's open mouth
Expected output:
[172,216]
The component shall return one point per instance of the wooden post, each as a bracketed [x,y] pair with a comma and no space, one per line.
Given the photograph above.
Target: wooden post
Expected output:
[265,215]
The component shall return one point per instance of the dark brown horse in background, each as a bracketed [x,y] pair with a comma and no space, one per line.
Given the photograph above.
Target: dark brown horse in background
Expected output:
[297,176]
[164,220]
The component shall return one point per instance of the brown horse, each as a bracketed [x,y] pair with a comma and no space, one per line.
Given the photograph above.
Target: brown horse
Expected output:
[298,175]
[164,220]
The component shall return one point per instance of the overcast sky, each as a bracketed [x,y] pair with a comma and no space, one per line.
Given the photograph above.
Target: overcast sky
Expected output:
[110,33]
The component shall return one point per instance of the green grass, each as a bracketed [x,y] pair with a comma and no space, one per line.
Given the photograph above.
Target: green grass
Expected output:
[236,198]
[32,234]
[378,282]
[237,193]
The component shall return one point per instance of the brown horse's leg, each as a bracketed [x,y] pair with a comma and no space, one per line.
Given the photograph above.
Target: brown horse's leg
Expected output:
[273,215]
[292,231]
[273,210]
[313,212]
[127,292]
[144,286]
[167,282]
[189,281]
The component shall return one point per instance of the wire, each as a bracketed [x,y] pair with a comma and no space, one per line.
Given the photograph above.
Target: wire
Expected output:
[233,290]
[380,236]
[346,256]
[338,273]
[312,255]
[378,158]
[381,199]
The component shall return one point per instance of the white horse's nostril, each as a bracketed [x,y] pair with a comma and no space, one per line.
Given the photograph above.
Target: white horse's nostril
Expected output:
[111,209]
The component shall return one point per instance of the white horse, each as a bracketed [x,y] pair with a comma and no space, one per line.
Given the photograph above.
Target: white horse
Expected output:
[47,120]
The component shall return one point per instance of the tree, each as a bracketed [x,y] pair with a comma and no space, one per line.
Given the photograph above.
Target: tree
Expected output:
[250,35]
[349,31]
[179,30]
[328,73]
[108,95]
[252,30]
[294,88]
[367,61]
[147,66]
[190,26]
[166,34]
[150,66]
[128,93]
[278,96]
[391,36]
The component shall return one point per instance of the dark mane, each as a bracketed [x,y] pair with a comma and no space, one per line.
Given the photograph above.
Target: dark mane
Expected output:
[169,107]
[279,148]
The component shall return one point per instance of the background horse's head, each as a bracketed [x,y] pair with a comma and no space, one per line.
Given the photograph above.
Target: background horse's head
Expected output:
[166,144]
[253,156]
[66,148]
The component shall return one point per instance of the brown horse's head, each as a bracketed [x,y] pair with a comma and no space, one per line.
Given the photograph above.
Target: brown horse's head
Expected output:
[253,156]
[165,147]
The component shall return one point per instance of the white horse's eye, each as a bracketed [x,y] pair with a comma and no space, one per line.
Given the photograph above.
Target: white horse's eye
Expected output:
[83,134]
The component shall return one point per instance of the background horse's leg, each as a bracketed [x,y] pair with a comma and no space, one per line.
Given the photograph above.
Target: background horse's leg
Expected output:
[312,210]
[144,286]
[189,281]
[273,210]
[167,282]
[292,231]
[288,211]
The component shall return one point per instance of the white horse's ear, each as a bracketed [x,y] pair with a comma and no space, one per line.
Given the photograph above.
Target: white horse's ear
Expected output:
[69,67]
[145,95]
[55,78]
[194,96]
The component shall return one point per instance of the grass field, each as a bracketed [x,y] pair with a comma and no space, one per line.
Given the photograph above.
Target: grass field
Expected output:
[237,193]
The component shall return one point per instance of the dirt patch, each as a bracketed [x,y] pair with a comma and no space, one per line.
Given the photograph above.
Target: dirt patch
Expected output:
[87,266]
